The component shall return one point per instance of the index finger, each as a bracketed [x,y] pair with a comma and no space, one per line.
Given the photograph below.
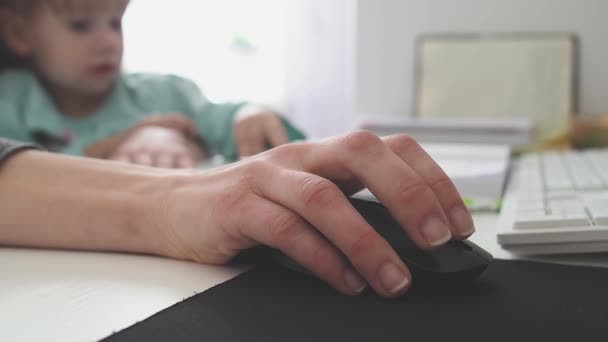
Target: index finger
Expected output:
[364,157]
[321,203]
[414,155]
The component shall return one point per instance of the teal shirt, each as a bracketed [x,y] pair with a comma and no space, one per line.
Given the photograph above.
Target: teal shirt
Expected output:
[25,108]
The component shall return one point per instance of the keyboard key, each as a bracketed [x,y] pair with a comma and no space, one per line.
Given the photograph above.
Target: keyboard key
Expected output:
[582,172]
[560,194]
[598,209]
[599,160]
[567,213]
[567,205]
[556,177]
[551,221]
[531,206]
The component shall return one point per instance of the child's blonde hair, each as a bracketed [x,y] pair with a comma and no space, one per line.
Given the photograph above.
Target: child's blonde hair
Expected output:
[7,8]
[24,7]
[7,58]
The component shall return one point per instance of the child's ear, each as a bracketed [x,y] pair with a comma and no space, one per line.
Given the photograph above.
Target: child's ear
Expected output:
[13,31]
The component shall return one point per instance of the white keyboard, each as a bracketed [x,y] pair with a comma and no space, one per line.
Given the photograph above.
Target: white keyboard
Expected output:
[556,202]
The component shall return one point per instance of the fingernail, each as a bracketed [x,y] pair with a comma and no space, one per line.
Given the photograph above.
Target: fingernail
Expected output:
[463,221]
[354,281]
[436,232]
[392,278]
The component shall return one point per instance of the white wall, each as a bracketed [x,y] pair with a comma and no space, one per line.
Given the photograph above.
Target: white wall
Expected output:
[320,65]
[196,39]
[387,30]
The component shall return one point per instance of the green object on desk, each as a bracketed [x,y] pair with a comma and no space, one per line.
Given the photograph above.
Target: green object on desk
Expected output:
[482,204]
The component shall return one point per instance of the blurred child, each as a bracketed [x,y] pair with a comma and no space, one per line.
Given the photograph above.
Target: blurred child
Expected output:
[61,86]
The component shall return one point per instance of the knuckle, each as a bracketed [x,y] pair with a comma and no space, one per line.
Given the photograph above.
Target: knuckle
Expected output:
[283,151]
[403,143]
[286,229]
[228,202]
[229,206]
[364,245]
[440,182]
[413,192]
[318,192]
[286,152]
[405,140]
[237,194]
[256,168]
[362,141]
[322,256]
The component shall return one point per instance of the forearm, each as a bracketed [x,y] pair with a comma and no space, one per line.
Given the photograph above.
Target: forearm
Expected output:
[48,200]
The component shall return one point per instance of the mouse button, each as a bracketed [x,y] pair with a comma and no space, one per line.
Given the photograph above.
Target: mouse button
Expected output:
[291,264]
[413,256]
[373,203]
[455,259]
[378,218]
[478,250]
[394,235]
[483,254]
[466,246]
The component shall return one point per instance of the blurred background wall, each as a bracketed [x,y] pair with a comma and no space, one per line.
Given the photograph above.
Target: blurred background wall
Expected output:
[325,62]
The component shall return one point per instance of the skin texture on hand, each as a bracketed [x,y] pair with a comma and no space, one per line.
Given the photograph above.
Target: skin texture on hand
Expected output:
[293,198]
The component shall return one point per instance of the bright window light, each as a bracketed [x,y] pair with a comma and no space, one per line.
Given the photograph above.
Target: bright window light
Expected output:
[233,49]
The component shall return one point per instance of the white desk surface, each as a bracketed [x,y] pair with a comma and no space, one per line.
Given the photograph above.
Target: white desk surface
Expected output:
[79,296]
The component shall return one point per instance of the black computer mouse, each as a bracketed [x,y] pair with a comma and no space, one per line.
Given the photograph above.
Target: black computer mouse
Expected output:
[457,262]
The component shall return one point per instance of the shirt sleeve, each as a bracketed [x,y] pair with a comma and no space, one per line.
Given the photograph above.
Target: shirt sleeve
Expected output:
[11,124]
[9,148]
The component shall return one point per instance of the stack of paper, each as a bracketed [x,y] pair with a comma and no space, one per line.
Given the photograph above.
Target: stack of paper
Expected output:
[478,171]
[514,132]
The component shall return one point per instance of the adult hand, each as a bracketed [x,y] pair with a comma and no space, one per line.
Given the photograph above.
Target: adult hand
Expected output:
[159,147]
[255,129]
[294,198]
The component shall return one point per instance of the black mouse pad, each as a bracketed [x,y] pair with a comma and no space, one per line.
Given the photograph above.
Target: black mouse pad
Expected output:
[512,301]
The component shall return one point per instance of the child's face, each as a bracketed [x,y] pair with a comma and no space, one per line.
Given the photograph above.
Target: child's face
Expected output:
[77,47]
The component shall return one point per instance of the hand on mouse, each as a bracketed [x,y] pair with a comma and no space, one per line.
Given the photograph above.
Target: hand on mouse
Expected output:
[255,129]
[294,197]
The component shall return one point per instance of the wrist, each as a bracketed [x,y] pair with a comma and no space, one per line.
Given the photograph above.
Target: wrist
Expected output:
[146,211]
[152,211]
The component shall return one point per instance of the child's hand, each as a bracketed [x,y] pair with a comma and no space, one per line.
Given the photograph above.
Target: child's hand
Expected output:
[177,121]
[256,129]
[160,147]
[104,148]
